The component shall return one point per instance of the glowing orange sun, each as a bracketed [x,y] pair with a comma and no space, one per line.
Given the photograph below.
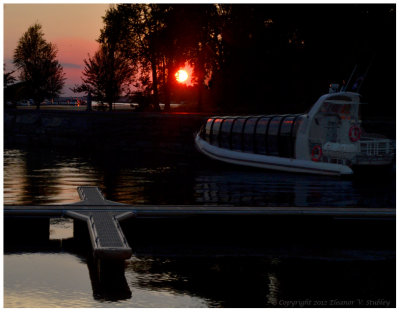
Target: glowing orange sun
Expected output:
[181,75]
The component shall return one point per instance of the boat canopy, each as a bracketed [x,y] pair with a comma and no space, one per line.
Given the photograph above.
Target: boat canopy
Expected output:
[273,135]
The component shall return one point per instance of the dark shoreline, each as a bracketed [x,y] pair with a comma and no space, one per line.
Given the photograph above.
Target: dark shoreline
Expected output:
[124,131]
[171,133]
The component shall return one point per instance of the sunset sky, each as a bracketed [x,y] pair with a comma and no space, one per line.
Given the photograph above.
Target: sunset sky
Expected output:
[74,29]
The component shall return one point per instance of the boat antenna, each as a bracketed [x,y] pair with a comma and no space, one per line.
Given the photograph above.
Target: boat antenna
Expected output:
[365,74]
[350,78]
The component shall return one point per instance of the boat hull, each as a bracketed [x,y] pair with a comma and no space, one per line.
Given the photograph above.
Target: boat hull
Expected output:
[270,162]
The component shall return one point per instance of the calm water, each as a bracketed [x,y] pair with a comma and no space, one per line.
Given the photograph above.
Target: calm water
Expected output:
[59,273]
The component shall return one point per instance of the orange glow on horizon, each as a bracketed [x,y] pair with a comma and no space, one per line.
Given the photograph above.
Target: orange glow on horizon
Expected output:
[62,26]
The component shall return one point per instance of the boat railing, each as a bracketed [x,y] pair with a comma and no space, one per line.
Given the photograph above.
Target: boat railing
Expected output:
[377,147]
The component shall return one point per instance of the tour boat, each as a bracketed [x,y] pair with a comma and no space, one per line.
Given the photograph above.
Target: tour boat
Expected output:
[327,140]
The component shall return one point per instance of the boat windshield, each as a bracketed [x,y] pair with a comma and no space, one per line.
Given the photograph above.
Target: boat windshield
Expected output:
[342,106]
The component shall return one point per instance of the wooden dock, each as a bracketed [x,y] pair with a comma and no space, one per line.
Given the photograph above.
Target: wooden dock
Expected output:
[103,216]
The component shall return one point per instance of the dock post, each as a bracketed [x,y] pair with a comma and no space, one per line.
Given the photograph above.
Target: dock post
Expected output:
[108,279]
[80,231]
[107,269]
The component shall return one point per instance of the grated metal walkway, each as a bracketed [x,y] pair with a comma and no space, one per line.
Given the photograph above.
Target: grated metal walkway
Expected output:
[108,240]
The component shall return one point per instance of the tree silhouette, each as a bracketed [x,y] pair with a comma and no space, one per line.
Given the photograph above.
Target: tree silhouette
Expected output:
[190,35]
[105,74]
[8,78]
[141,25]
[9,86]
[41,74]
[161,37]
[203,42]
[108,72]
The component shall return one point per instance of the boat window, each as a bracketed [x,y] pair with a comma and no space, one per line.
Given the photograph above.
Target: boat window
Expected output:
[297,123]
[237,131]
[285,138]
[202,132]
[208,129]
[215,131]
[296,127]
[248,134]
[261,135]
[287,125]
[225,134]
[273,132]
[343,107]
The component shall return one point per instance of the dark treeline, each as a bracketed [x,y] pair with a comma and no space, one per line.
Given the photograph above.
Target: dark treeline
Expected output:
[254,58]
[287,64]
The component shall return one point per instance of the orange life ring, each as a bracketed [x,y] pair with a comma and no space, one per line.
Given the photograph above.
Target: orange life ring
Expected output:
[354,133]
[316,153]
